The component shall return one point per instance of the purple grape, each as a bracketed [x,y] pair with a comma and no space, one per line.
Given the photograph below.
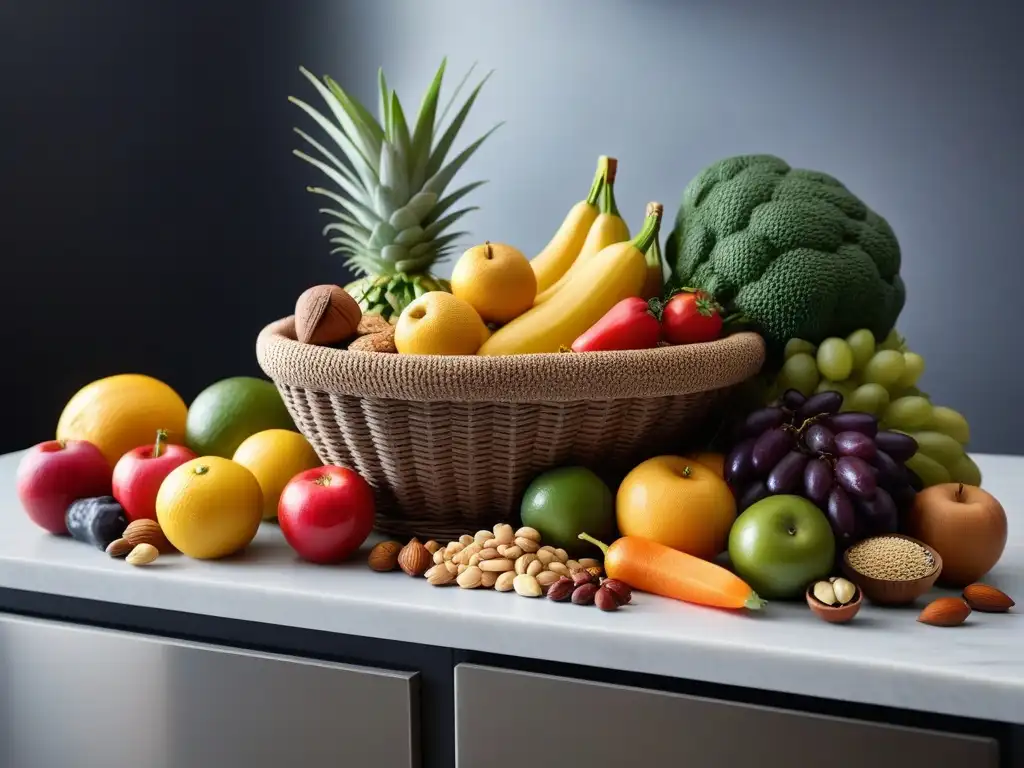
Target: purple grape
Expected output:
[821,403]
[890,472]
[818,481]
[769,449]
[855,444]
[786,475]
[878,514]
[751,495]
[853,421]
[820,439]
[739,469]
[762,420]
[903,496]
[793,399]
[901,447]
[841,517]
[855,477]
[915,481]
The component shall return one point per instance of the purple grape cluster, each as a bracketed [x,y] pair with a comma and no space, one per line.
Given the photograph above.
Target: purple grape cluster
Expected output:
[841,462]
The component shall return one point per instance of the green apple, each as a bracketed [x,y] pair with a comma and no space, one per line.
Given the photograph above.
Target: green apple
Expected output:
[563,503]
[781,544]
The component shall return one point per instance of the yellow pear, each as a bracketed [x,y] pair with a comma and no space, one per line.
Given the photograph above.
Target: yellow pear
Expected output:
[497,280]
[438,323]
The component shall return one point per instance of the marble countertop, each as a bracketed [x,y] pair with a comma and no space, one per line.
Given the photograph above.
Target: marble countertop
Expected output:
[884,657]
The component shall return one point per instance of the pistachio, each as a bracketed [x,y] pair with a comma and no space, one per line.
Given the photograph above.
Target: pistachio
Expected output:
[824,592]
[844,590]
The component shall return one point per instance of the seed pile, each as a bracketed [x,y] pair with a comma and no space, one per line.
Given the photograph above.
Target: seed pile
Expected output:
[891,558]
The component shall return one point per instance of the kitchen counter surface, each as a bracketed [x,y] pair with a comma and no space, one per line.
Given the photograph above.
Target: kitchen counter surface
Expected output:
[883,658]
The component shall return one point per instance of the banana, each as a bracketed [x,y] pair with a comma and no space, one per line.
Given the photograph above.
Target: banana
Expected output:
[609,227]
[655,284]
[615,273]
[558,255]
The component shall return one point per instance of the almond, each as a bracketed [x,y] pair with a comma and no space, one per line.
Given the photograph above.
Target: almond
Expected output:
[147,532]
[497,565]
[982,597]
[119,548]
[384,556]
[414,558]
[142,554]
[945,612]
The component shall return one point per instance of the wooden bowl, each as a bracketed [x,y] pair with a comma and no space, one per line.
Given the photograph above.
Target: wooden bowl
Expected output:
[833,614]
[886,592]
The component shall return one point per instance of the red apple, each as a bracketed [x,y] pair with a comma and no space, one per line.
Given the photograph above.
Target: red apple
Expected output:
[326,513]
[53,474]
[139,473]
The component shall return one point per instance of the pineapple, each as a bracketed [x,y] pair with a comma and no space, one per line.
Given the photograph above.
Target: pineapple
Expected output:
[391,219]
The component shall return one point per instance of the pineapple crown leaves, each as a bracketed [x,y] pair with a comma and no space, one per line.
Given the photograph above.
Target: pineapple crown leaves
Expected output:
[388,180]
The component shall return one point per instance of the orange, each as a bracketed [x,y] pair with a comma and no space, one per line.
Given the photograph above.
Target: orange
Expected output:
[275,456]
[122,412]
[439,323]
[677,502]
[497,280]
[209,507]
[715,461]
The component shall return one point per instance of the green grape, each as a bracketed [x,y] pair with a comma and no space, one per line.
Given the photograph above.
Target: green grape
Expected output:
[885,368]
[892,342]
[913,367]
[935,445]
[798,346]
[862,344]
[929,470]
[842,387]
[868,398]
[835,359]
[907,413]
[799,372]
[965,471]
[950,422]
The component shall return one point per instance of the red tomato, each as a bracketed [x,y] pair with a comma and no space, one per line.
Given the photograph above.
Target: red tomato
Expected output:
[139,473]
[690,318]
[53,474]
[630,324]
[326,513]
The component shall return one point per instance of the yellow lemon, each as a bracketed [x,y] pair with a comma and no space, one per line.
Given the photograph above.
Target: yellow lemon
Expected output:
[275,456]
[209,507]
[122,412]
[439,323]
[497,280]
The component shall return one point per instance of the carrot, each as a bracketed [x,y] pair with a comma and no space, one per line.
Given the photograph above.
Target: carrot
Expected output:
[660,570]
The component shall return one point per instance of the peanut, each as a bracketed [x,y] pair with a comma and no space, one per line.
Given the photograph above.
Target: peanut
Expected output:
[527,545]
[535,567]
[573,566]
[504,582]
[499,565]
[512,552]
[481,537]
[504,533]
[526,532]
[545,556]
[589,562]
[526,585]
[562,555]
[488,579]
[560,568]
[488,554]
[547,578]
[432,546]
[523,561]
[439,557]
[465,539]
[440,576]
[453,568]
[470,578]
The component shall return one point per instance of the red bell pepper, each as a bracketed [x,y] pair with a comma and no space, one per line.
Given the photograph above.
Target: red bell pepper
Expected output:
[630,324]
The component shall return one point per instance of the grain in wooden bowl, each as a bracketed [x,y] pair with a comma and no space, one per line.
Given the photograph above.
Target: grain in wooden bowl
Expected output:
[892,569]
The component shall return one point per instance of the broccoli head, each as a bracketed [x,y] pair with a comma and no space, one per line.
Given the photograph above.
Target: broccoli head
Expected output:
[794,251]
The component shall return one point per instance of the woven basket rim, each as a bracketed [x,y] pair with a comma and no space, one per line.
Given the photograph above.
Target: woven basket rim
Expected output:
[536,378]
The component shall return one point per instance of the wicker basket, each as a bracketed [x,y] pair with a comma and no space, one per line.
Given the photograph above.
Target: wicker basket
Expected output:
[450,443]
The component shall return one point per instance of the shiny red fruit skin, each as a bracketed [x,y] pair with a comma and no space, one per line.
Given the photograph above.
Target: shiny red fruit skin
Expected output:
[53,474]
[137,478]
[326,513]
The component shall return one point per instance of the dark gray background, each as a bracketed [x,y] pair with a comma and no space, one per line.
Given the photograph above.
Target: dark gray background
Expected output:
[153,219]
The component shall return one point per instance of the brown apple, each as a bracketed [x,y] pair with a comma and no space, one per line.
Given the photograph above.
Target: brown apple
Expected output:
[965,524]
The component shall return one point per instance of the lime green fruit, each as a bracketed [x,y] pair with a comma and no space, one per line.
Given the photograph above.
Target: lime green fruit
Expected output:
[799,372]
[796,346]
[862,344]
[907,413]
[929,470]
[935,445]
[563,503]
[835,359]
[950,422]
[868,398]
[227,412]
[965,471]
[886,367]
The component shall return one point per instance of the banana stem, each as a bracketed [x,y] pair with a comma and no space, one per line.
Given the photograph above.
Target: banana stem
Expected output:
[610,166]
[598,183]
[652,225]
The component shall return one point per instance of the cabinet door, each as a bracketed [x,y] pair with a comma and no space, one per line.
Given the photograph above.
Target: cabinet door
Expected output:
[94,698]
[576,722]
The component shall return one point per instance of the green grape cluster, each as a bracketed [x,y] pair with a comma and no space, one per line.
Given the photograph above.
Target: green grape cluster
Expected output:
[881,379]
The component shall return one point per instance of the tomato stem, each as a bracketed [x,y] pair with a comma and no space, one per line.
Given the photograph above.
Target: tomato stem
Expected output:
[161,441]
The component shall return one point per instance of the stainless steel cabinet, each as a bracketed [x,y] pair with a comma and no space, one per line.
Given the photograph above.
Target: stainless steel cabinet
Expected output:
[575,722]
[93,698]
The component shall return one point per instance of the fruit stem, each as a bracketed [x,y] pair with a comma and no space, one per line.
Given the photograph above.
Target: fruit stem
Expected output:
[487,246]
[161,441]
[687,471]
[647,235]
[587,537]
[754,603]
[608,206]
[598,182]
[960,492]
[202,469]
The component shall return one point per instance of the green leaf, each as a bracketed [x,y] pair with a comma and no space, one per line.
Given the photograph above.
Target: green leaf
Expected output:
[346,217]
[410,236]
[354,246]
[441,179]
[382,234]
[336,162]
[455,95]
[445,203]
[448,138]
[342,139]
[357,232]
[354,191]
[393,174]
[441,225]
[385,99]
[399,128]
[365,216]
[423,135]
[371,133]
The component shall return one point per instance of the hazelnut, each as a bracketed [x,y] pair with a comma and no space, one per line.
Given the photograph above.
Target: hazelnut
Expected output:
[325,314]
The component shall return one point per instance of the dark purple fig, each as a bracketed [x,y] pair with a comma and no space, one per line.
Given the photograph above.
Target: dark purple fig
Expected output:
[820,439]
[855,444]
[901,447]
[769,450]
[855,477]
[739,466]
[820,404]
[785,477]
[818,481]
[853,421]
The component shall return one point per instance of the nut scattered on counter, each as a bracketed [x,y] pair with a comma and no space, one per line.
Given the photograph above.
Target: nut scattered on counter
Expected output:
[945,612]
[147,532]
[119,548]
[142,554]
[982,597]
[384,556]
[414,558]
[526,585]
